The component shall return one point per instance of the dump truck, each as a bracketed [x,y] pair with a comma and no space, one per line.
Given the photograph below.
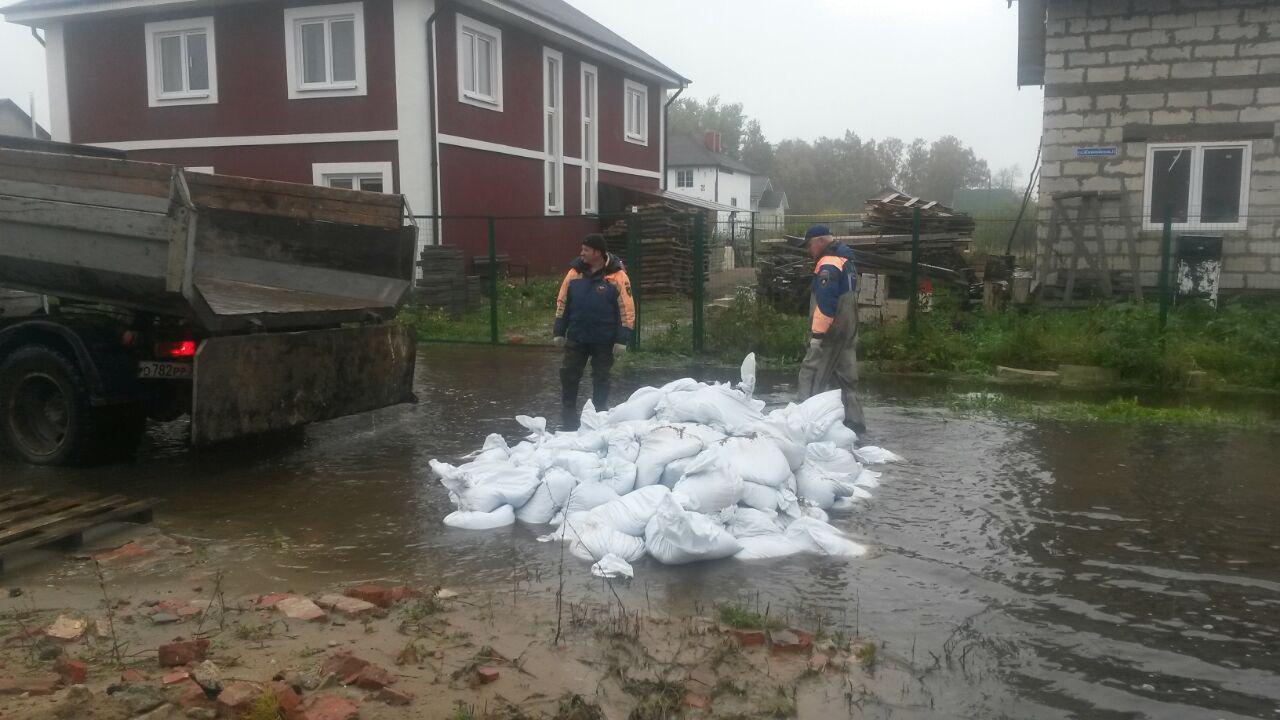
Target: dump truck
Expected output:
[137,290]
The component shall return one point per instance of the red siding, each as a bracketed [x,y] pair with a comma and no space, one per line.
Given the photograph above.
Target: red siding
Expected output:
[107,80]
[614,149]
[290,163]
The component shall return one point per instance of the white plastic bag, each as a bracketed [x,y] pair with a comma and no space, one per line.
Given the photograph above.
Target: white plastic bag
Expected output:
[709,483]
[748,375]
[660,446]
[743,522]
[612,566]
[763,547]
[818,537]
[467,520]
[630,513]
[675,537]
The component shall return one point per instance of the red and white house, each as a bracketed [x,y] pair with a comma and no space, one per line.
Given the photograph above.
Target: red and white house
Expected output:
[515,108]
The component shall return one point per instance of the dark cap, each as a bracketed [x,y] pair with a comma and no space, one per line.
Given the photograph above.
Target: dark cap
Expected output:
[595,241]
[813,232]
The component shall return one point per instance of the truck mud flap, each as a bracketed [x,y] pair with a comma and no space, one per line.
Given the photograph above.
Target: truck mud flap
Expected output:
[250,384]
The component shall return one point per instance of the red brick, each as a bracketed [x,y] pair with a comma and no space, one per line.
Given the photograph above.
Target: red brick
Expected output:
[125,553]
[328,707]
[286,697]
[297,608]
[748,638]
[376,594]
[695,701]
[132,676]
[370,677]
[394,697]
[238,697]
[819,662]
[194,696]
[174,678]
[343,664]
[72,672]
[42,684]
[487,674]
[176,654]
[790,641]
[269,601]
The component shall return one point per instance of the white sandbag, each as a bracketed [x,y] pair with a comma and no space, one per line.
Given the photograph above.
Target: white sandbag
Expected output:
[721,407]
[675,537]
[820,412]
[844,504]
[815,512]
[867,479]
[708,435]
[787,433]
[757,459]
[782,501]
[681,385]
[840,436]
[618,474]
[763,547]
[743,522]
[873,455]
[623,442]
[612,566]
[485,487]
[583,465]
[591,419]
[818,537]
[495,449]
[442,470]
[675,470]
[537,426]
[559,482]
[660,446]
[469,520]
[817,486]
[640,406]
[539,509]
[590,540]
[588,495]
[747,373]
[589,441]
[630,513]
[833,459]
[709,483]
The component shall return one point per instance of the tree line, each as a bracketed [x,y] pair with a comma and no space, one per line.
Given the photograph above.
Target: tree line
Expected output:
[838,174]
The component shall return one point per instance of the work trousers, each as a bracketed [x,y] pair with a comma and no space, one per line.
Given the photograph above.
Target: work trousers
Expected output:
[575,360]
[834,364]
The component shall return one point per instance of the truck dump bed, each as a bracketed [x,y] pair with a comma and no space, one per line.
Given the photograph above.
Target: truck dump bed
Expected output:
[231,254]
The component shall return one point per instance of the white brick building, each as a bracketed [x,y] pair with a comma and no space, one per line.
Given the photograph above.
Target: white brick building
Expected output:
[1153,105]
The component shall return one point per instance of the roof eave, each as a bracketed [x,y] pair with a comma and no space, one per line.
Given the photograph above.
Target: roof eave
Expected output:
[37,17]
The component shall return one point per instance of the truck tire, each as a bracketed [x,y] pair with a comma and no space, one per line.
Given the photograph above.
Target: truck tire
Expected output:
[46,417]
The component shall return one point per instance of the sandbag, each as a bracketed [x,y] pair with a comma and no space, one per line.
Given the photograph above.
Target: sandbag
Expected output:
[833,459]
[818,486]
[743,522]
[495,449]
[757,459]
[590,539]
[640,406]
[612,566]
[818,537]
[709,483]
[675,470]
[815,512]
[485,487]
[841,436]
[559,482]
[659,447]
[583,465]
[618,474]
[820,412]
[764,498]
[844,504]
[720,407]
[588,495]
[630,513]
[468,520]
[747,374]
[873,455]
[675,537]
[867,479]
[763,547]
[539,509]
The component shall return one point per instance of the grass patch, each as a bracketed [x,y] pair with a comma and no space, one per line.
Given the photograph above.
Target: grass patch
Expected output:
[1123,411]
[737,616]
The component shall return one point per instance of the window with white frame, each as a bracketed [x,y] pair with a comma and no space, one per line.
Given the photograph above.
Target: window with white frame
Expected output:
[369,176]
[590,86]
[181,62]
[684,178]
[479,64]
[553,129]
[1206,185]
[324,50]
[636,112]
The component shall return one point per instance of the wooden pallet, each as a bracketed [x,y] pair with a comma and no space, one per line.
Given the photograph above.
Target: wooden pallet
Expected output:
[29,521]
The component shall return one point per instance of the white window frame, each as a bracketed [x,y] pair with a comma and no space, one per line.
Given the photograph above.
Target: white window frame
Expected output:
[155,30]
[640,135]
[590,139]
[321,172]
[1196,192]
[553,128]
[681,172]
[294,18]
[469,26]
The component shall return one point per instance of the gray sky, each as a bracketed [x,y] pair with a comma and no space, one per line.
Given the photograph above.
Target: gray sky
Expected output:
[804,68]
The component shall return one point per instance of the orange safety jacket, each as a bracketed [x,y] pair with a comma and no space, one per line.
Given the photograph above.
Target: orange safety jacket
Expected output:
[833,275]
[596,308]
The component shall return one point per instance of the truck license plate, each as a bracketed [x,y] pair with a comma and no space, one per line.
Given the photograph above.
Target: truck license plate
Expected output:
[165,371]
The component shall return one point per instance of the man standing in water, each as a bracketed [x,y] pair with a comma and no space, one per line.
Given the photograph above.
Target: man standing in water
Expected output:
[831,360]
[595,316]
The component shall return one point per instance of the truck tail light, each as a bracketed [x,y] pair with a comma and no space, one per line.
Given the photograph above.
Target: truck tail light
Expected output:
[176,349]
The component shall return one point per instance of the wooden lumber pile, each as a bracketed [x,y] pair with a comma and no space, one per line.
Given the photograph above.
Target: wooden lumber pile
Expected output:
[444,282]
[666,245]
[893,211]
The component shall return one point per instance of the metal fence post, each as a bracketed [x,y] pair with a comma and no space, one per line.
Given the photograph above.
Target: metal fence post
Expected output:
[635,252]
[1166,249]
[913,300]
[699,264]
[753,239]
[493,282]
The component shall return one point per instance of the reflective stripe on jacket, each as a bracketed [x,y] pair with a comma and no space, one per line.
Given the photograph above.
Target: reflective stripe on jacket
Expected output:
[595,308]
[834,275]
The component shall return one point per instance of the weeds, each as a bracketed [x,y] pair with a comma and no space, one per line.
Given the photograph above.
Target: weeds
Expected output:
[1123,411]
[266,707]
[737,616]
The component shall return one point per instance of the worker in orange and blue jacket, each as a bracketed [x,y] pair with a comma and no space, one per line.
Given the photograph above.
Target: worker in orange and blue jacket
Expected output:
[832,360]
[595,316]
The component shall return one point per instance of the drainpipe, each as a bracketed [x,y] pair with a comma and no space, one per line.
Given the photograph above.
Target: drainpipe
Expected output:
[435,131]
[666,128]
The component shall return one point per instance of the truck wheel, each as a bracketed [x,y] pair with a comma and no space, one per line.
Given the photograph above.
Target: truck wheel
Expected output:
[45,415]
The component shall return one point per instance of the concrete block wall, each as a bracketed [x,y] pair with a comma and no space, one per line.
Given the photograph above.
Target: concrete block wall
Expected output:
[1171,66]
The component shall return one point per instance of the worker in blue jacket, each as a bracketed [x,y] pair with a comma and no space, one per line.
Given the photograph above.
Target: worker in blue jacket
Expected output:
[595,316]
[831,360]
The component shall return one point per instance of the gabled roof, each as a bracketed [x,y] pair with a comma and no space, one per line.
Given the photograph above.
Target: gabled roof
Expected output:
[689,151]
[760,183]
[10,107]
[557,16]
[773,199]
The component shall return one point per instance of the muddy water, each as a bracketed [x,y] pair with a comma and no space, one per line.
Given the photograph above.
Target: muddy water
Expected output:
[1019,569]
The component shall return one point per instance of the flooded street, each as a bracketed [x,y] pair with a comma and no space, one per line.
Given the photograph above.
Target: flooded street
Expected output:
[1018,569]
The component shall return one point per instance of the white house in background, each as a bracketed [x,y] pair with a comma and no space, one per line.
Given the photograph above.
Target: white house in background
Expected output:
[15,121]
[696,167]
[771,210]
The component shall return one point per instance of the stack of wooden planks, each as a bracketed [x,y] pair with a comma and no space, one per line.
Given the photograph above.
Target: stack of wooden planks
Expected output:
[444,282]
[894,212]
[29,521]
[666,248]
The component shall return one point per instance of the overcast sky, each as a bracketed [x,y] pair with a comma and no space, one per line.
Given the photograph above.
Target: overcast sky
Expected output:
[803,68]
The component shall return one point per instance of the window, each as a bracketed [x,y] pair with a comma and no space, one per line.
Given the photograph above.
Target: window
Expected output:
[636,112]
[733,202]
[324,50]
[590,139]
[369,177]
[553,129]
[684,178]
[479,64]
[1206,184]
[181,63]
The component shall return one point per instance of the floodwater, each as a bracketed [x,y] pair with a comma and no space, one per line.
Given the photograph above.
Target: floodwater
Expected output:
[1018,569]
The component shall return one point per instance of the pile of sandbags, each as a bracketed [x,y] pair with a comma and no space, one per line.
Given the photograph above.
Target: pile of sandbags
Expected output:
[681,473]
